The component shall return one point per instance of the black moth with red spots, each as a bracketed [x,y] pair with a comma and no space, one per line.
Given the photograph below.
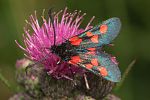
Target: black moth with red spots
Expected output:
[84,50]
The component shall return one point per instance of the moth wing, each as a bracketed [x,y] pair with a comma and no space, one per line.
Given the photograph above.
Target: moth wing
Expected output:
[108,30]
[101,64]
[101,34]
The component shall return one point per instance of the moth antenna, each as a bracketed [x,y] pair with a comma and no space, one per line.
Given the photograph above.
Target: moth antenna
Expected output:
[52,20]
[50,16]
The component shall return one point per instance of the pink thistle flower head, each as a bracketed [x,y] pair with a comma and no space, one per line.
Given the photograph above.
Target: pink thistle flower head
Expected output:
[42,38]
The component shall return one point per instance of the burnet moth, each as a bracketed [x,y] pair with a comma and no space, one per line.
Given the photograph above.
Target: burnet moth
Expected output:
[84,50]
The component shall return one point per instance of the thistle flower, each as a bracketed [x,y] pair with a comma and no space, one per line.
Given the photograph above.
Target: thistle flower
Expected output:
[42,38]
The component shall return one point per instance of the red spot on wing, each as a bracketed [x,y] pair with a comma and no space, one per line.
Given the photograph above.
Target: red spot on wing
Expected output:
[91,49]
[89,66]
[75,60]
[94,39]
[76,42]
[94,62]
[74,38]
[89,34]
[103,71]
[103,29]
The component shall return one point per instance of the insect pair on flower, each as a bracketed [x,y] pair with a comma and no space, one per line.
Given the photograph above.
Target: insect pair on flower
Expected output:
[72,48]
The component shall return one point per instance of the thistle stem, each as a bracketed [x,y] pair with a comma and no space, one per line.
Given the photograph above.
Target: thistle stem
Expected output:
[125,74]
[5,81]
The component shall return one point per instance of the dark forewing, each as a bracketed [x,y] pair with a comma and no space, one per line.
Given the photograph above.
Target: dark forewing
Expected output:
[99,63]
[100,35]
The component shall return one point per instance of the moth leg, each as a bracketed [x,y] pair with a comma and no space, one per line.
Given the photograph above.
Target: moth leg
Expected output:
[72,75]
[86,82]
[59,62]
[71,79]
[67,77]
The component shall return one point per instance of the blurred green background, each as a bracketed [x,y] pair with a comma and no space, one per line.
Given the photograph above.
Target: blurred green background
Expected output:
[132,43]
